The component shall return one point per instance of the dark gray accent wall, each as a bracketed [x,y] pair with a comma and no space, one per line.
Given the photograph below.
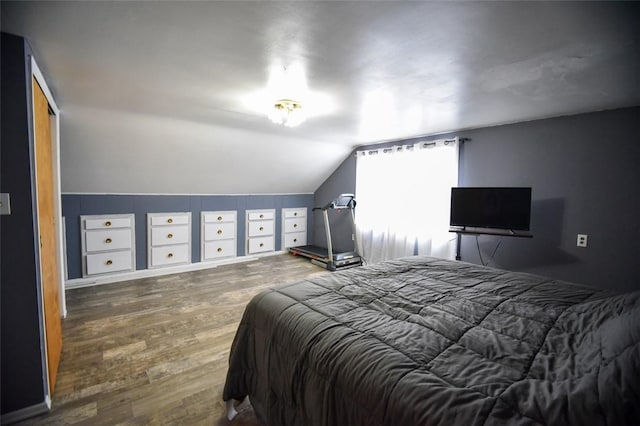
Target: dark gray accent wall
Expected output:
[342,181]
[75,205]
[584,171]
[22,375]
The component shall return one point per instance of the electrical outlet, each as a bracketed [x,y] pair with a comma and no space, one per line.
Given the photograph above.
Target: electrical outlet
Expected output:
[582,240]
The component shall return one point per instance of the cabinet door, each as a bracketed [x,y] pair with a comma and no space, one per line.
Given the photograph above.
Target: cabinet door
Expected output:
[108,223]
[217,249]
[219,231]
[220,217]
[294,239]
[261,244]
[169,255]
[163,235]
[293,213]
[107,240]
[170,219]
[295,225]
[260,228]
[103,263]
[261,215]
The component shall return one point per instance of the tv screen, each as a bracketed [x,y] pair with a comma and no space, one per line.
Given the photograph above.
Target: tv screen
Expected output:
[498,208]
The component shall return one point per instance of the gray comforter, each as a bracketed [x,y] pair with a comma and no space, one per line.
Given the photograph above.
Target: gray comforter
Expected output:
[421,341]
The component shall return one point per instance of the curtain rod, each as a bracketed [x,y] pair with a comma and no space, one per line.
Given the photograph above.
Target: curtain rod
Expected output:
[408,147]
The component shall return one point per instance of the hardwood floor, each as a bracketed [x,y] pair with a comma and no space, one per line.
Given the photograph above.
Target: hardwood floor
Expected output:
[155,350]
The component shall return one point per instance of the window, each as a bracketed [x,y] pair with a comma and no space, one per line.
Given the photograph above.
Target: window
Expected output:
[403,195]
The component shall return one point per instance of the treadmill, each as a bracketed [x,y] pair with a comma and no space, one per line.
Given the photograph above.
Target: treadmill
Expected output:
[325,257]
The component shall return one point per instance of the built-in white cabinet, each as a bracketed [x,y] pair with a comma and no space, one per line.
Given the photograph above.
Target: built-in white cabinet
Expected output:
[294,227]
[168,239]
[108,244]
[218,235]
[259,230]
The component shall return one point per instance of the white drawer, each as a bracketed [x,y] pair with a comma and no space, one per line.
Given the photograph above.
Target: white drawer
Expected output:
[220,217]
[294,239]
[102,263]
[219,231]
[164,235]
[169,255]
[260,244]
[260,228]
[114,239]
[295,225]
[261,215]
[108,223]
[216,249]
[170,219]
[293,213]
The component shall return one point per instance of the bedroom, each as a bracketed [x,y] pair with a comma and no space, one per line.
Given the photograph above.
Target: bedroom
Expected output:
[562,119]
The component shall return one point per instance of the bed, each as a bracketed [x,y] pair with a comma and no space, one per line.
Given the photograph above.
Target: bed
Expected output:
[424,341]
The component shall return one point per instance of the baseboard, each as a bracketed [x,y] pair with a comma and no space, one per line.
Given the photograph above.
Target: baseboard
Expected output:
[27,412]
[146,273]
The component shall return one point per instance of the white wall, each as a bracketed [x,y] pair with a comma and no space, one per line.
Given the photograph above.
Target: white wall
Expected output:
[105,151]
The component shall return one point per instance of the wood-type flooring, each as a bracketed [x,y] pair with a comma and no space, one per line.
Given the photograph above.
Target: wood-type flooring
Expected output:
[154,351]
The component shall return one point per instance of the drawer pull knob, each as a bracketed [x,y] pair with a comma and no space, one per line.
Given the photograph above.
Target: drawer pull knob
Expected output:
[295,213]
[169,220]
[261,228]
[169,235]
[295,240]
[219,250]
[219,231]
[109,262]
[107,223]
[108,241]
[261,244]
[170,255]
[261,216]
[219,217]
[295,225]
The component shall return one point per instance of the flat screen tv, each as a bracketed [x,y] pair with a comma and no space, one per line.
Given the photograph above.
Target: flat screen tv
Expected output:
[496,208]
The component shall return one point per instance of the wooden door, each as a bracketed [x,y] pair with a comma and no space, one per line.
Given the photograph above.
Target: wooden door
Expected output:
[48,258]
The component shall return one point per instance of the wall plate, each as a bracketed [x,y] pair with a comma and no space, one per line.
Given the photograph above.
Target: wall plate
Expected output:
[5,203]
[582,240]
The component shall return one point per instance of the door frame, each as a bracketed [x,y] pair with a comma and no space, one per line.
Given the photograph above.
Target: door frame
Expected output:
[57,215]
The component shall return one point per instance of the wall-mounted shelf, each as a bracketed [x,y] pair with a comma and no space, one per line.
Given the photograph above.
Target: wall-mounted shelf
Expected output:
[497,232]
[486,231]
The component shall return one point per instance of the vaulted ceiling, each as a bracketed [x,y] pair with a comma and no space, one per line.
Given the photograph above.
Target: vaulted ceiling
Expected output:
[163,97]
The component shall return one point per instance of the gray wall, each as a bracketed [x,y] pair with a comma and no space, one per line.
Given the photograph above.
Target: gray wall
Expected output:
[74,205]
[342,181]
[22,370]
[584,171]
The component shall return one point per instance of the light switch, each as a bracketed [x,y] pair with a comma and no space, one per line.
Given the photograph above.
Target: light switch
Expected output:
[5,204]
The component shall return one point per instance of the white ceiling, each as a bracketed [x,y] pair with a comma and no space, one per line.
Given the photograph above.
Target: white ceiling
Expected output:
[154,94]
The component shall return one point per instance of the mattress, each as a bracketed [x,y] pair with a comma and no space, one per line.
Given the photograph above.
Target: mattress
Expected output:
[424,341]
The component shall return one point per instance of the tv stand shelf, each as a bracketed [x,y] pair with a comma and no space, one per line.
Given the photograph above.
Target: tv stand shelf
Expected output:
[498,232]
[482,231]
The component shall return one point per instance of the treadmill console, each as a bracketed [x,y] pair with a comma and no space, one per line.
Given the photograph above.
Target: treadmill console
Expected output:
[344,201]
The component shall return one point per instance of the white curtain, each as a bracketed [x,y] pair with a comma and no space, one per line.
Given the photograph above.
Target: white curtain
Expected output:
[403,195]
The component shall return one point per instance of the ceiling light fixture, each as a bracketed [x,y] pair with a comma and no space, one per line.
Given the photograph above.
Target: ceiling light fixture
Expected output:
[287,112]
